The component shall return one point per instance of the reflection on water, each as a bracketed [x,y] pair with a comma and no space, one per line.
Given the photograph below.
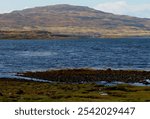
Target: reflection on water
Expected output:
[36,53]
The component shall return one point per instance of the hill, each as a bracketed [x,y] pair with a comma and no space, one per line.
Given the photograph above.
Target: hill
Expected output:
[69,21]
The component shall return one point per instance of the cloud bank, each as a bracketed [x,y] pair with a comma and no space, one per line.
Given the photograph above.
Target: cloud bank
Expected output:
[124,8]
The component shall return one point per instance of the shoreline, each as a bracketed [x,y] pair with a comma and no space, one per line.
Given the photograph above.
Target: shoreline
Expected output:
[67,89]
[90,75]
[47,35]
[74,38]
[13,90]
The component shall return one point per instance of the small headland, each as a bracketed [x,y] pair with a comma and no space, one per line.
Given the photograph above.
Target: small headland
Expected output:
[90,75]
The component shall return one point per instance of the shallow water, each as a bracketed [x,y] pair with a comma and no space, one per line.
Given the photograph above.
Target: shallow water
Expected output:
[114,83]
[35,55]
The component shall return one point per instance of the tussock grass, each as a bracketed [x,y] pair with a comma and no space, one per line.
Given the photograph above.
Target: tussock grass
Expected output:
[28,91]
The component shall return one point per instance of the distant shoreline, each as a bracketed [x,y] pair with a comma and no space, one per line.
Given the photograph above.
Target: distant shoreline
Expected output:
[28,35]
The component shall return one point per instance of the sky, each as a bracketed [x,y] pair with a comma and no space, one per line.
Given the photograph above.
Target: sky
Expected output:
[138,8]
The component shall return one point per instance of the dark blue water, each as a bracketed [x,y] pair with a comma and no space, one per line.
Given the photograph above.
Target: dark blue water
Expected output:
[35,55]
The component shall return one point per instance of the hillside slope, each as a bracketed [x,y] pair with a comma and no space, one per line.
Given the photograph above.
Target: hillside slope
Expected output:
[67,20]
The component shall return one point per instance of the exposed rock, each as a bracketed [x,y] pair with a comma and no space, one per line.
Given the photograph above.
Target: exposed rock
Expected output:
[1,94]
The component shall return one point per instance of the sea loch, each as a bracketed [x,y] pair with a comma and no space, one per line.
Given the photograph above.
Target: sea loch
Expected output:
[34,55]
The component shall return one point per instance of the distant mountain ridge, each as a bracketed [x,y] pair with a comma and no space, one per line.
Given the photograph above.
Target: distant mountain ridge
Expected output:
[72,20]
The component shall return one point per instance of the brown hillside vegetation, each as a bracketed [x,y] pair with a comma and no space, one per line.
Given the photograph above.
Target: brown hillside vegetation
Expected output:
[72,21]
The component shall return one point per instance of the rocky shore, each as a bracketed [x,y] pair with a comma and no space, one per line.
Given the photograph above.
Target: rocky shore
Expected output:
[90,75]
[78,85]
[35,34]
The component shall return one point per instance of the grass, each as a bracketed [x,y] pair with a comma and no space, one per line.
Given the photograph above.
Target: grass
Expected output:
[32,33]
[28,91]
